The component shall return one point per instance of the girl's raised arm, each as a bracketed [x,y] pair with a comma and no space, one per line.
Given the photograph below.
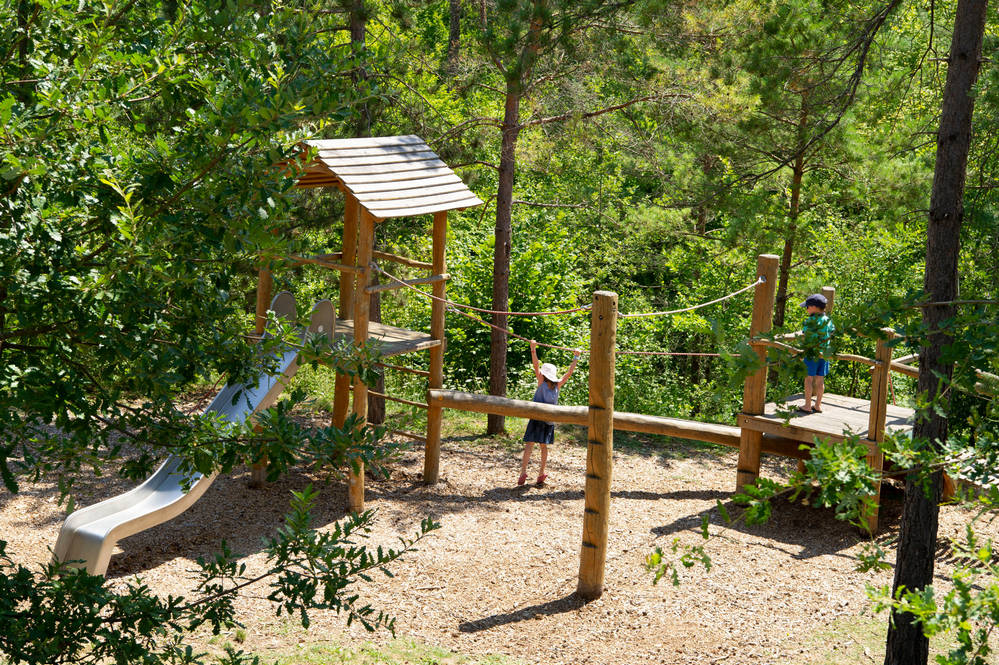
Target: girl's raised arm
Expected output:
[568,372]
[534,359]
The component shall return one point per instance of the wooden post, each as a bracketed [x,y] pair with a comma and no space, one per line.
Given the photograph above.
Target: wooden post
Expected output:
[600,448]
[362,308]
[265,284]
[432,450]
[341,386]
[876,424]
[754,394]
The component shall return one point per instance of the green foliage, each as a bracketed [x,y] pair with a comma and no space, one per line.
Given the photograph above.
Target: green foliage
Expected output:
[59,614]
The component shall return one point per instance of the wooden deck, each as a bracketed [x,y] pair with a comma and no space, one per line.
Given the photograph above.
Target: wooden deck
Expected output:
[393,341]
[840,415]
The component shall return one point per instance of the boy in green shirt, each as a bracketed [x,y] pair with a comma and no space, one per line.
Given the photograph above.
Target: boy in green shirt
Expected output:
[818,329]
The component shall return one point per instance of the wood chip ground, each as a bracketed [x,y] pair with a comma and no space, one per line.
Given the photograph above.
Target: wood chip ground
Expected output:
[499,576]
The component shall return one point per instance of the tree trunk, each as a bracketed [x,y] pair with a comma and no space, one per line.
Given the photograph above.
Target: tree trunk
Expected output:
[501,251]
[906,644]
[797,173]
[453,40]
[358,33]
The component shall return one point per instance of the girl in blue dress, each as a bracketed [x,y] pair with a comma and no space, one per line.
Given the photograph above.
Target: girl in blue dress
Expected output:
[540,431]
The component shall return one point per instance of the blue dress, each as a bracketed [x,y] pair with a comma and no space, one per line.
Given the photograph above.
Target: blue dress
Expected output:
[541,431]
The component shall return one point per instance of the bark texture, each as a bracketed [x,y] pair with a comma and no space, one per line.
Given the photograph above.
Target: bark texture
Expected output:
[906,644]
[501,252]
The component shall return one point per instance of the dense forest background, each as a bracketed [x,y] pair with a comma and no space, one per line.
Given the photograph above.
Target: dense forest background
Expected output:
[653,149]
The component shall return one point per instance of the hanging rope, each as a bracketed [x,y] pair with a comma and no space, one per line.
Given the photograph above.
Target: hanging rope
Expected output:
[761,280]
[453,306]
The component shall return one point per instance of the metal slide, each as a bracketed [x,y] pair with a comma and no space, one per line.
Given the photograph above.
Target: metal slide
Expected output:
[90,534]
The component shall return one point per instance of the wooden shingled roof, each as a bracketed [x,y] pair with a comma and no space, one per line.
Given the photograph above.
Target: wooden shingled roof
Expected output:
[391,176]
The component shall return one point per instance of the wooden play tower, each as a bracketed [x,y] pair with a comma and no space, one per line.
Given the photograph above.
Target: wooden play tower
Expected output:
[841,417]
[382,178]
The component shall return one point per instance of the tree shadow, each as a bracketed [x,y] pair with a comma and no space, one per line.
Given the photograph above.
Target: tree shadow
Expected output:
[812,531]
[552,607]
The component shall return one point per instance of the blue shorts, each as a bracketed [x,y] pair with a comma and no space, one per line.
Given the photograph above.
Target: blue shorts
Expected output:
[818,367]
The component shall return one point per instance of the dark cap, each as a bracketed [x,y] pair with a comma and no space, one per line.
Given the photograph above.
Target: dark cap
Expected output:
[816,299]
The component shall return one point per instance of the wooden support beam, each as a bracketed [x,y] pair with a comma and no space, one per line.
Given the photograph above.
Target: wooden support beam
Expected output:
[907,370]
[600,447]
[321,262]
[265,284]
[362,311]
[393,285]
[395,258]
[876,422]
[432,451]
[725,435]
[755,391]
[408,370]
[341,386]
[409,435]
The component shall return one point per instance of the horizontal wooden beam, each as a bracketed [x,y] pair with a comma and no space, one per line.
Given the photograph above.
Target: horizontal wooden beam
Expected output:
[322,262]
[863,360]
[419,405]
[395,258]
[409,435]
[902,368]
[400,368]
[391,286]
[725,435]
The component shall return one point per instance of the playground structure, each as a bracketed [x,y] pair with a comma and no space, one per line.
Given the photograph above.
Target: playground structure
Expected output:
[390,177]
[761,429]
[90,534]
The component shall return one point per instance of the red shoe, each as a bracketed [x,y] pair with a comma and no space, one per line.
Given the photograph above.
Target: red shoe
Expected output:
[522,479]
[541,479]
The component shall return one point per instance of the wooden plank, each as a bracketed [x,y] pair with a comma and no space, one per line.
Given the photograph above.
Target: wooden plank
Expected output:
[725,435]
[755,389]
[364,142]
[397,176]
[393,285]
[344,172]
[412,263]
[373,151]
[392,341]
[504,406]
[624,421]
[426,210]
[416,200]
[600,448]
[400,185]
[397,193]
[334,161]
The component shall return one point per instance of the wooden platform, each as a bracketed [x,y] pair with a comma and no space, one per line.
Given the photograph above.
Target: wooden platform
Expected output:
[393,341]
[840,415]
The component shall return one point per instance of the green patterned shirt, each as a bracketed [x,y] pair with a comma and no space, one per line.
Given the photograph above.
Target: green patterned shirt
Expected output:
[818,329]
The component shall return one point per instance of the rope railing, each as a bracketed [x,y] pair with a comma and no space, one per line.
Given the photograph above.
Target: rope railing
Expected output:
[670,312]
[453,306]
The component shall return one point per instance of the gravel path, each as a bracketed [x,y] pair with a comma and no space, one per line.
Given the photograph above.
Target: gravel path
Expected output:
[499,576]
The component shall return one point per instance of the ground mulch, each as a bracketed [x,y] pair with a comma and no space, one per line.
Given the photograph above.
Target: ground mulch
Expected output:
[500,574]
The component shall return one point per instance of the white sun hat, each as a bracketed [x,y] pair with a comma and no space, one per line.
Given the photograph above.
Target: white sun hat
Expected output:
[550,372]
